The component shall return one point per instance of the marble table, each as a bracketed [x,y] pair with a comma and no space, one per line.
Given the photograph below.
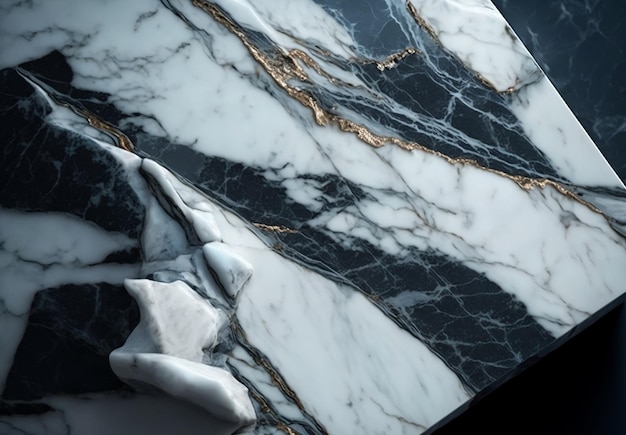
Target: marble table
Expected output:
[301,217]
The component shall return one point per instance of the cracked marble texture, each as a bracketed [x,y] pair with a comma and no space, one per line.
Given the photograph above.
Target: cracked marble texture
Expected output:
[374,212]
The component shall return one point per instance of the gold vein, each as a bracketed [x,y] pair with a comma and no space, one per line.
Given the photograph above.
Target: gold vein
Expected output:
[286,429]
[267,410]
[123,141]
[417,17]
[274,376]
[392,61]
[285,67]
[275,228]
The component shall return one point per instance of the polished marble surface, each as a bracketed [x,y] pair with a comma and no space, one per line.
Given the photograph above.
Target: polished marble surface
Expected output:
[580,45]
[301,217]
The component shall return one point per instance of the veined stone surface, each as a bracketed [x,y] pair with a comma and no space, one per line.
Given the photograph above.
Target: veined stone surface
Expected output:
[302,216]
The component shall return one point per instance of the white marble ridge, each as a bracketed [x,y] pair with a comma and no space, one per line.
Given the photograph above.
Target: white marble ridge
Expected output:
[198,214]
[211,388]
[174,321]
[307,301]
[232,270]
[178,327]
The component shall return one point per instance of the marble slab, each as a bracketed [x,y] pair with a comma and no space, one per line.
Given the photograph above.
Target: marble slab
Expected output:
[314,217]
[580,45]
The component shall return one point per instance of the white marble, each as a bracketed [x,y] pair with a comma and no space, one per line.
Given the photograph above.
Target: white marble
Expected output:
[560,258]
[327,341]
[279,19]
[162,238]
[231,270]
[211,388]
[217,292]
[198,214]
[550,124]
[178,328]
[311,325]
[174,320]
[40,238]
[479,35]
[198,111]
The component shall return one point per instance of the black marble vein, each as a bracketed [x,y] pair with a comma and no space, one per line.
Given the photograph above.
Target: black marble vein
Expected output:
[65,349]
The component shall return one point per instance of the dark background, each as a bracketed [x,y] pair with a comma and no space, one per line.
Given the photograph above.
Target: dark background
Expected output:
[579,388]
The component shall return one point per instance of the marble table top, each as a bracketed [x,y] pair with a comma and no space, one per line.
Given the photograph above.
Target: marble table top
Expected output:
[304,216]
